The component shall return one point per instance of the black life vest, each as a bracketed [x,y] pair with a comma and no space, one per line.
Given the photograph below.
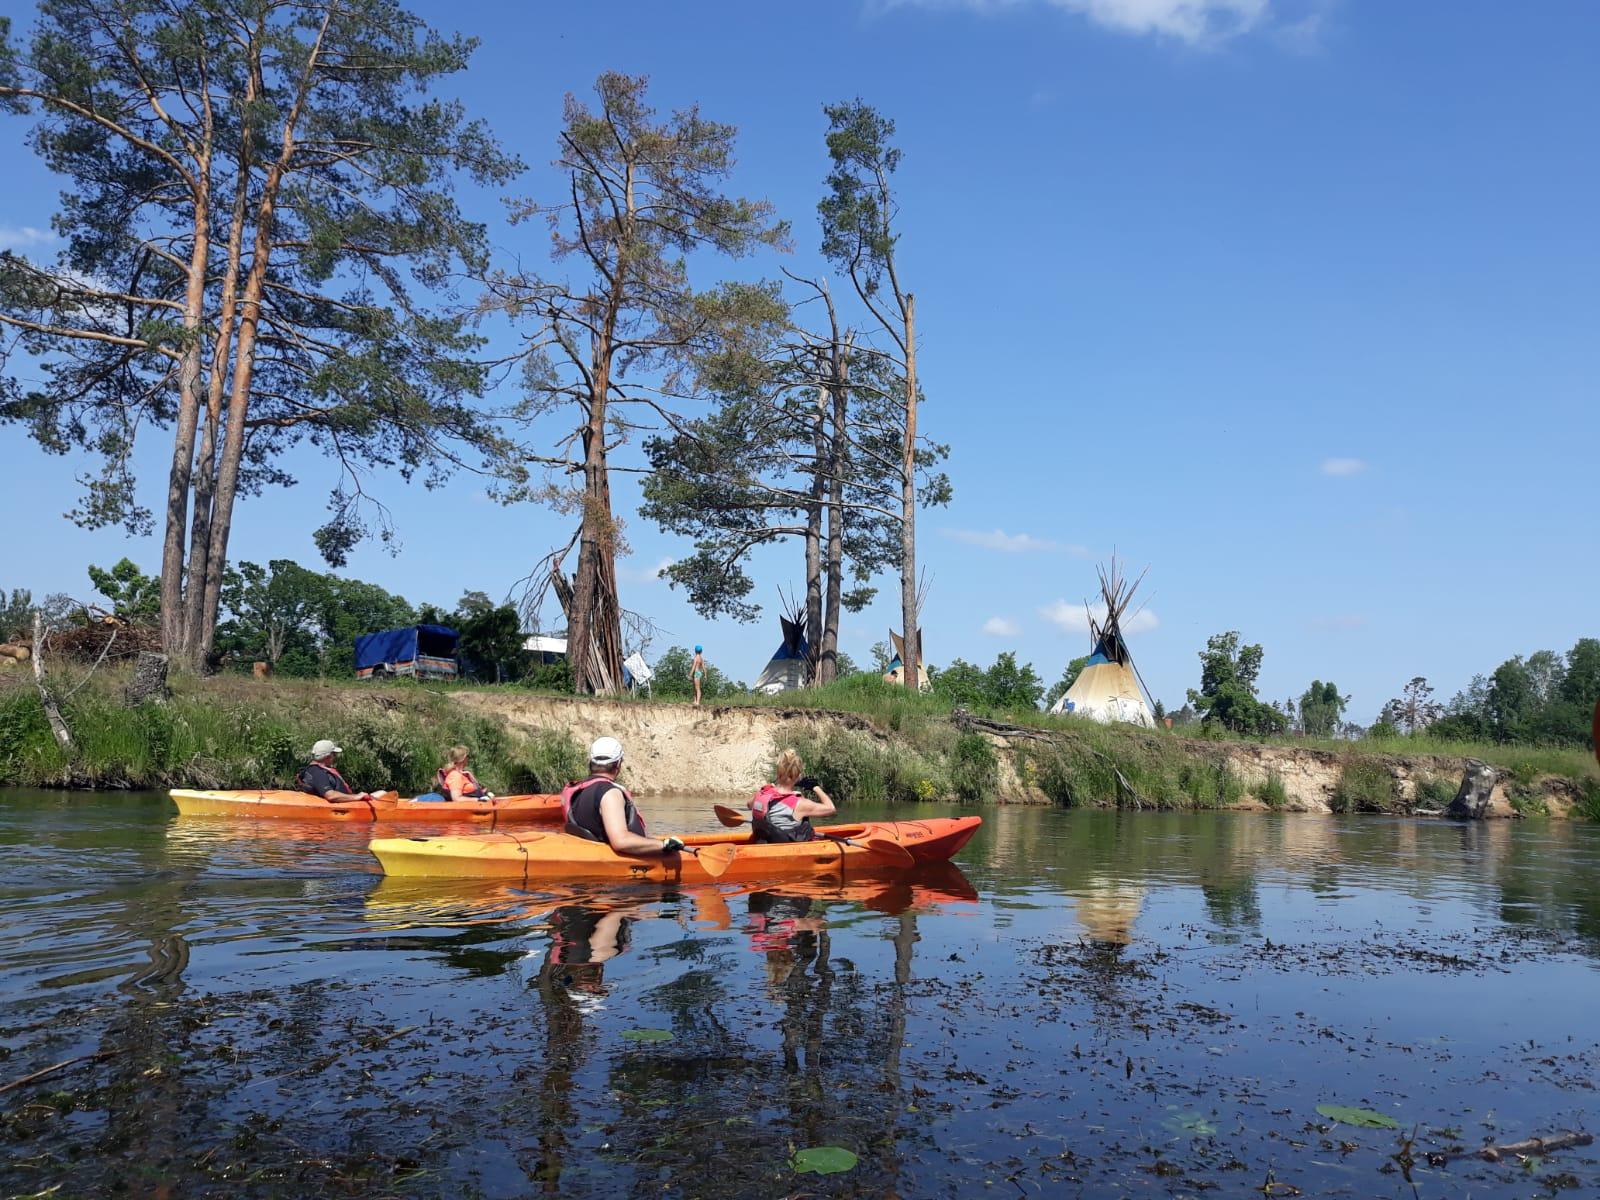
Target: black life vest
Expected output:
[319,785]
[580,807]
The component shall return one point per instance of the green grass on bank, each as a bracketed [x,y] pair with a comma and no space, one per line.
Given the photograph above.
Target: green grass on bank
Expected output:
[231,732]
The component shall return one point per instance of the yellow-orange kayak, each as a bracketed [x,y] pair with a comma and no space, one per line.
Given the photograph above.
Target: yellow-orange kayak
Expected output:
[538,856]
[383,807]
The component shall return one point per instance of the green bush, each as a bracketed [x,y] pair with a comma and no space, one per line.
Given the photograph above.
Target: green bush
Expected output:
[1366,785]
[548,761]
[1210,784]
[1434,791]
[974,767]
[856,768]
[1588,806]
[1272,792]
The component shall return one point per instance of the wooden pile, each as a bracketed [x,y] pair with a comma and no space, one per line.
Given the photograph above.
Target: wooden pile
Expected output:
[106,636]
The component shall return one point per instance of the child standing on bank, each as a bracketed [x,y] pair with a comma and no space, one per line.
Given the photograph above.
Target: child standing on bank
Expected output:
[697,672]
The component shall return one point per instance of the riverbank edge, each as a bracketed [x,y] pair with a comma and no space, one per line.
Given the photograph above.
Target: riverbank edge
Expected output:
[678,749]
[231,731]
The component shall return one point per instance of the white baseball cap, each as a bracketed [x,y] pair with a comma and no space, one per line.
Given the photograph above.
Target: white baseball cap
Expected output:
[605,751]
[324,748]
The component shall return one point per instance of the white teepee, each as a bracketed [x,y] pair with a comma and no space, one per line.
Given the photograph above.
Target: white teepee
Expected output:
[1108,688]
[790,663]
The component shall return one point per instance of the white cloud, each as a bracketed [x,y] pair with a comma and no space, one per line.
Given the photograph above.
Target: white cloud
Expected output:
[1001,627]
[20,237]
[644,574]
[1074,618]
[1341,468]
[1009,543]
[1194,21]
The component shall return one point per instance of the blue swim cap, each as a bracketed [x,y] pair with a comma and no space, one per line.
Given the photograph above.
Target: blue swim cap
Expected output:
[699,649]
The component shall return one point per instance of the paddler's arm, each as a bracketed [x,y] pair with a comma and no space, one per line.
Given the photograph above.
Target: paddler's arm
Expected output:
[335,796]
[822,806]
[623,840]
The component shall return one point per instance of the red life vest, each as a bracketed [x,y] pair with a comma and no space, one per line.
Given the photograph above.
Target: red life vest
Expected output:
[580,808]
[774,819]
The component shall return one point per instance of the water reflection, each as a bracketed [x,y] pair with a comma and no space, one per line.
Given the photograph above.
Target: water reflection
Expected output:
[1091,1003]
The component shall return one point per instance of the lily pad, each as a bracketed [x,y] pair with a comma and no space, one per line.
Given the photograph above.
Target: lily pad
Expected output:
[823,1160]
[647,1035]
[1192,1123]
[1364,1117]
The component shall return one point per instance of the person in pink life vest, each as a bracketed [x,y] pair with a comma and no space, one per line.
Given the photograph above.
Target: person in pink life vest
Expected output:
[601,810]
[779,813]
[320,777]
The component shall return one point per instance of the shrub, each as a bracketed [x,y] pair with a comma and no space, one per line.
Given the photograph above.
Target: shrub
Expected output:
[1588,806]
[546,762]
[1272,792]
[1366,785]
[974,767]
[1435,792]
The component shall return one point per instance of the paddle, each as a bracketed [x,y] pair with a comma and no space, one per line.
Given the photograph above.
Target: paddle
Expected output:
[887,847]
[714,860]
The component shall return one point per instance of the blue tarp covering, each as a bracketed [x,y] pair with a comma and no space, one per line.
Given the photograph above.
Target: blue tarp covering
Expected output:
[404,645]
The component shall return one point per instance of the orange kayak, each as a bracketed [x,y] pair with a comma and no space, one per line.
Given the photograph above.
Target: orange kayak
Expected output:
[536,857]
[383,807]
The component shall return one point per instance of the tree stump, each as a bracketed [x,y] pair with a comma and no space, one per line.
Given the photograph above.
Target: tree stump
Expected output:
[1477,787]
[149,680]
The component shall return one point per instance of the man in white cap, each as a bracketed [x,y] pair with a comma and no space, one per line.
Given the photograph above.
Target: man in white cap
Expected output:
[320,777]
[601,810]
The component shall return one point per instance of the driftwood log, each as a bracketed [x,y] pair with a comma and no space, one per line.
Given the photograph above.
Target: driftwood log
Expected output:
[1534,1145]
[1477,788]
[149,682]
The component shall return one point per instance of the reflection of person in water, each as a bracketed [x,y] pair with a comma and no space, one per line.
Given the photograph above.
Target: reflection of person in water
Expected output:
[583,938]
[785,930]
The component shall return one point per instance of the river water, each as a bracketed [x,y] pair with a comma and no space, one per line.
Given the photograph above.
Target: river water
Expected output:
[1090,1004]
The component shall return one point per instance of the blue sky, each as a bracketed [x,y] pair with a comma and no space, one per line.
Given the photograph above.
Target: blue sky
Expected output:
[1295,303]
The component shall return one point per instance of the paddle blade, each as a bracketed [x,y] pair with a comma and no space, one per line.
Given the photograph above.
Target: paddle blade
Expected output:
[716,860]
[890,849]
[729,816]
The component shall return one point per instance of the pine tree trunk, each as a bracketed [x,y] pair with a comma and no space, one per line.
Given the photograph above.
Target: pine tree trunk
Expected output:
[819,491]
[205,476]
[594,624]
[174,629]
[244,360]
[828,653]
[908,509]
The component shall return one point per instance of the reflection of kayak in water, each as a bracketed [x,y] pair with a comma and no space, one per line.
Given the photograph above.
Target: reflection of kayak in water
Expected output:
[924,886]
[541,856]
[400,903]
[382,807]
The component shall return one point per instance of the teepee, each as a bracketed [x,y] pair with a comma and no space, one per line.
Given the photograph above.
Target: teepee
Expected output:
[895,673]
[788,667]
[1108,688]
